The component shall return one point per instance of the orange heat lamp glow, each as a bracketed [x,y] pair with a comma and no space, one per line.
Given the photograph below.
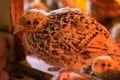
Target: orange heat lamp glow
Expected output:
[81,4]
[118,1]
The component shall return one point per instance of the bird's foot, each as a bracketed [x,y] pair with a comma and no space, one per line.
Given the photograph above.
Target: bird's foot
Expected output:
[63,75]
[71,74]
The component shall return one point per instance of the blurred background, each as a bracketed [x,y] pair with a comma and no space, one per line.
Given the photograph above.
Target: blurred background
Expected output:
[107,12]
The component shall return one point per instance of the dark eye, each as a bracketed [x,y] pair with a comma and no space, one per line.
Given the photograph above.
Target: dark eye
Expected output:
[28,22]
[36,22]
[103,65]
[109,65]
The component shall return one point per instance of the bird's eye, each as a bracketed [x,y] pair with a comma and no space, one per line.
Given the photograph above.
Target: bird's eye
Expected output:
[103,65]
[28,22]
[36,22]
[109,65]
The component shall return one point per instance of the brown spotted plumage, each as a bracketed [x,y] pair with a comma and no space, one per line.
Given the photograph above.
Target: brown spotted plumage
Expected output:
[65,37]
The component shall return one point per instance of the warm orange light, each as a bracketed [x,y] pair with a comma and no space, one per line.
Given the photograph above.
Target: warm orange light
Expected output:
[118,1]
[81,4]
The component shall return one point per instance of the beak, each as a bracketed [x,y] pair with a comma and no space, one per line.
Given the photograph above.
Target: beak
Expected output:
[18,29]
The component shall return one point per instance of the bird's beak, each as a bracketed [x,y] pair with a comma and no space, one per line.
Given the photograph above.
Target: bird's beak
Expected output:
[18,29]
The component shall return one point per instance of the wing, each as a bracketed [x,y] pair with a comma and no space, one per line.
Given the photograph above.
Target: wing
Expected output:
[74,33]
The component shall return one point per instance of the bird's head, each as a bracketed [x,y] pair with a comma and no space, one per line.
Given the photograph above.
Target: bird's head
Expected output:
[31,21]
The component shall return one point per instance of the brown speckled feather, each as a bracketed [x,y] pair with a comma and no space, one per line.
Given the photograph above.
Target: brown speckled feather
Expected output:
[66,37]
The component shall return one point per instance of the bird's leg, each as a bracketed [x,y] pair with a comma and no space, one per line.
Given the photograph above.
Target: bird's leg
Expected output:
[72,74]
[64,74]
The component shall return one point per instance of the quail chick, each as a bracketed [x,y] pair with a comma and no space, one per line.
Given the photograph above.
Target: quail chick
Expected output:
[66,37]
[105,68]
[102,64]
